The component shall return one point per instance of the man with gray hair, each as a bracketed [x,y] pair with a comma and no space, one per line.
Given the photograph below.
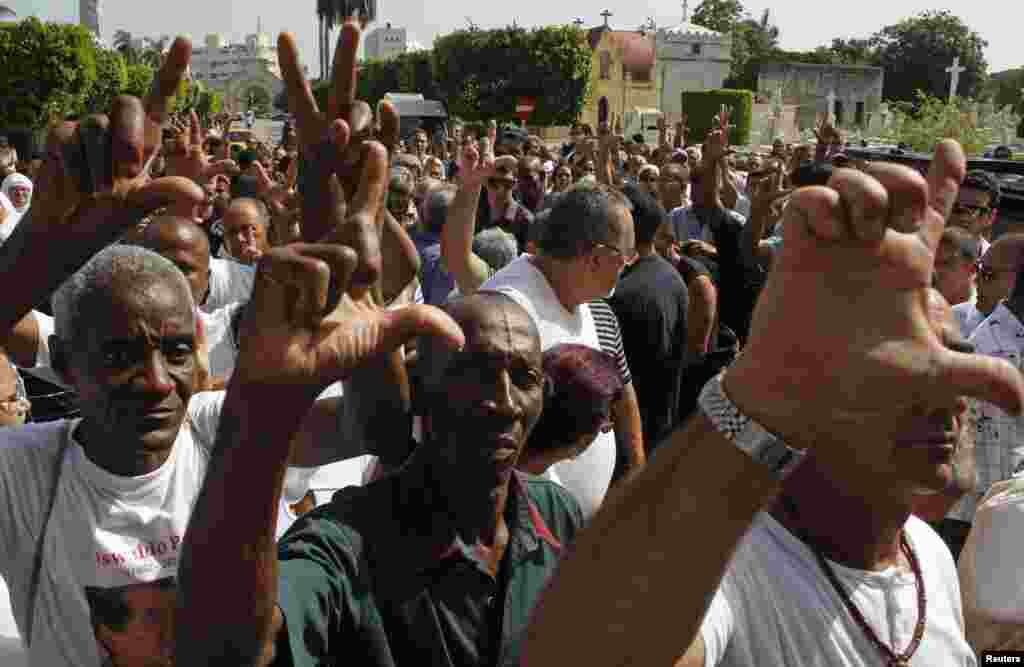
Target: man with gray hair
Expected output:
[435,281]
[102,501]
[586,243]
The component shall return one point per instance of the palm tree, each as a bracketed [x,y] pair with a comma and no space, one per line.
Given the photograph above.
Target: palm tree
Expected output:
[330,14]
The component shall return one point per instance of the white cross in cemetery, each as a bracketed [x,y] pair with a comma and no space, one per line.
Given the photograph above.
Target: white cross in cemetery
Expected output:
[954,71]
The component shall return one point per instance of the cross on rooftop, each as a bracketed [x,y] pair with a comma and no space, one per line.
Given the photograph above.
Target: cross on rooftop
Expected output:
[606,14]
[954,71]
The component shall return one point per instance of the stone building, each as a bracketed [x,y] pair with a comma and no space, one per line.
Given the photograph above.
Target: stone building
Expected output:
[239,71]
[689,58]
[387,42]
[854,91]
[622,72]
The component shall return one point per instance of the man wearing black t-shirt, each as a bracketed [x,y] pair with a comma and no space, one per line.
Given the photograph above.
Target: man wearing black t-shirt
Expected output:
[651,302]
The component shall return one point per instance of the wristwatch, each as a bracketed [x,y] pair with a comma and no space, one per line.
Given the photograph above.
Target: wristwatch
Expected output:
[750,437]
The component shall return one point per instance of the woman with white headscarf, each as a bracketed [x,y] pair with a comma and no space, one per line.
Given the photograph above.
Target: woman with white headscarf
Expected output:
[15,199]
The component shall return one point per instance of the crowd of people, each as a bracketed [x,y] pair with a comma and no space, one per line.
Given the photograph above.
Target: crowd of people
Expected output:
[464,398]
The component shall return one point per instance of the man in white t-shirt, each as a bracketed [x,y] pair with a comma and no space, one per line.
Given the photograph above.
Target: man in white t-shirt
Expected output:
[230,282]
[587,242]
[785,503]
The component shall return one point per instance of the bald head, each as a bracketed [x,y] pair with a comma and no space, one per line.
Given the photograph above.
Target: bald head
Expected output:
[184,243]
[174,231]
[246,228]
[485,319]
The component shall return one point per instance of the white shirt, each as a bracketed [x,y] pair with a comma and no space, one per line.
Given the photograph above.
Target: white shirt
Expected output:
[220,340]
[229,282]
[968,317]
[105,531]
[687,227]
[999,443]
[776,607]
[588,476]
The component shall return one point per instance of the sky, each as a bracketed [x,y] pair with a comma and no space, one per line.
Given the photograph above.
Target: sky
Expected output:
[803,25]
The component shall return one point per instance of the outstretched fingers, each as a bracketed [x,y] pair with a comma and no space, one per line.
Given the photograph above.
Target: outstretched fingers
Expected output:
[403,324]
[361,229]
[300,96]
[167,80]
[949,166]
[343,89]
[982,377]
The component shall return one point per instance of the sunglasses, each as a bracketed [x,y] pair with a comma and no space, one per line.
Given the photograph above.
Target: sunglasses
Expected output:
[972,211]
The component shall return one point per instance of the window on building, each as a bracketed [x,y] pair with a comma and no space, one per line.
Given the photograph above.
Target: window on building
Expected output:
[696,49]
[606,65]
[859,119]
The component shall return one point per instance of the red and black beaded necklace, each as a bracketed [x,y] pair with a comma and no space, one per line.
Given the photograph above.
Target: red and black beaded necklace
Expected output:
[889,653]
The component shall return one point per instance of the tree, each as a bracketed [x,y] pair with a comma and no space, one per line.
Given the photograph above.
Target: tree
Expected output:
[481,73]
[47,70]
[719,15]
[916,51]
[111,77]
[138,80]
[754,41]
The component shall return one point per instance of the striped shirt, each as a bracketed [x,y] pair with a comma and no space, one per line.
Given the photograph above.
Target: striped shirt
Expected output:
[610,336]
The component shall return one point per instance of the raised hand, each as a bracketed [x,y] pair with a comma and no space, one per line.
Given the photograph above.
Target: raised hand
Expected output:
[191,160]
[841,355]
[316,129]
[722,119]
[824,131]
[310,326]
[94,174]
[475,168]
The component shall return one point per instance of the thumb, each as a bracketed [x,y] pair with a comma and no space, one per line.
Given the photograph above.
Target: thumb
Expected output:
[403,324]
[984,378]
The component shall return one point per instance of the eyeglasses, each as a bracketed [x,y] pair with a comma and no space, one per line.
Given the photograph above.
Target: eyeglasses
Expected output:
[971,211]
[16,407]
[627,255]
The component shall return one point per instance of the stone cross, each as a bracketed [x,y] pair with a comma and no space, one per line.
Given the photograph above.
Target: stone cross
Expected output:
[606,14]
[831,98]
[686,10]
[954,71]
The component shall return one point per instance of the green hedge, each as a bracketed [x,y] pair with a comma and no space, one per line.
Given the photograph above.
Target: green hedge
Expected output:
[702,107]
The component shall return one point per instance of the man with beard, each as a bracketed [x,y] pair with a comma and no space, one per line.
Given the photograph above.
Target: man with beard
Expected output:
[815,558]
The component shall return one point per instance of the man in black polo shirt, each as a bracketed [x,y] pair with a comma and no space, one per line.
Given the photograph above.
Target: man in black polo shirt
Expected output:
[651,302]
